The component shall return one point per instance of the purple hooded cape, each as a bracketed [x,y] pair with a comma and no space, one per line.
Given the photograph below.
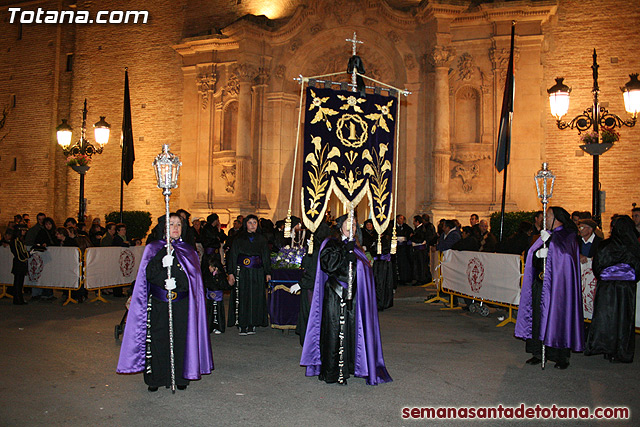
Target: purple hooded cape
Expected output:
[369,362]
[561,318]
[198,358]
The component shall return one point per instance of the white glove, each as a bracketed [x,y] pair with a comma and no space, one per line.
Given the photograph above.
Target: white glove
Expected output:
[170,284]
[544,235]
[542,252]
[294,289]
[167,261]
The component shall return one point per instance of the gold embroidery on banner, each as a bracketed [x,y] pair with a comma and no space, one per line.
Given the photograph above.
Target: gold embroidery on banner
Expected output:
[323,112]
[352,101]
[377,170]
[385,111]
[352,122]
[351,156]
[319,173]
[350,182]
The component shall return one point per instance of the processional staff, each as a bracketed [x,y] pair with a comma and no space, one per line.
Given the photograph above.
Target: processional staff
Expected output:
[545,179]
[167,166]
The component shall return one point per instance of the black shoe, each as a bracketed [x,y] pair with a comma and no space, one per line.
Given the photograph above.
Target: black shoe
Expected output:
[243,331]
[182,387]
[251,330]
[534,361]
[561,365]
[152,389]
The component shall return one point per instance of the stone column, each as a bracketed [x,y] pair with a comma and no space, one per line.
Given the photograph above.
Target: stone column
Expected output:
[244,148]
[440,57]
[261,149]
[206,85]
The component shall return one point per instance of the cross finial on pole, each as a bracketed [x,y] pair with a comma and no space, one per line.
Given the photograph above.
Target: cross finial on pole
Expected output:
[354,41]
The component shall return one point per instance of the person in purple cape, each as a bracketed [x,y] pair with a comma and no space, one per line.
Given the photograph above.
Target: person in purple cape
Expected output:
[145,344]
[616,264]
[343,336]
[550,311]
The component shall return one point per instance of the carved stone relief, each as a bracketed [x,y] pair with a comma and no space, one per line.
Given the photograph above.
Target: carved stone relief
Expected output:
[229,176]
[337,57]
[280,71]
[206,82]
[465,67]
[467,173]
[440,56]
[410,62]
[233,85]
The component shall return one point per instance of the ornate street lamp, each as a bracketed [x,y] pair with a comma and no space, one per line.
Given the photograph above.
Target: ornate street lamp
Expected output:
[596,118]
[545,180]
[82,149]
[167,166]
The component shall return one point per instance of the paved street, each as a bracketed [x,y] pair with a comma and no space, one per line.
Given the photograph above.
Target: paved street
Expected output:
[58,368]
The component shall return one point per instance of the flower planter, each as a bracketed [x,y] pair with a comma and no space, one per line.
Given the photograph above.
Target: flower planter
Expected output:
[80,169]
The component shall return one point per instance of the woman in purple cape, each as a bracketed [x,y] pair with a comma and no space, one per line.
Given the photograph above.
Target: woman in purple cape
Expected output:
[343,337]
[550,311]
[617,267]
[145,344]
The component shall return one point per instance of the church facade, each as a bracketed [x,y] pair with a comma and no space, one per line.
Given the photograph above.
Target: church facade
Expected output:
[218,83]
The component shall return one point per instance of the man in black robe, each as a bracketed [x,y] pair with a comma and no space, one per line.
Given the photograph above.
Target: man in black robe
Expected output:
[383,273]
[403,252]
[420,253]
[249,268]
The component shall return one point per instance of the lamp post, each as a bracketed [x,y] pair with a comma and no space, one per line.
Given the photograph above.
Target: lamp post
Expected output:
[82,147]
[596,118]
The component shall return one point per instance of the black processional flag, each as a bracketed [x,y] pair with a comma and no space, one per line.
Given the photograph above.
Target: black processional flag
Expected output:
[504,134]
[128,156]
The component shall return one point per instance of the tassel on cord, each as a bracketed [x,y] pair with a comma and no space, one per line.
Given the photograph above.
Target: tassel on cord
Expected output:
[394,241]
[379,244]
[310,251]
[287,225]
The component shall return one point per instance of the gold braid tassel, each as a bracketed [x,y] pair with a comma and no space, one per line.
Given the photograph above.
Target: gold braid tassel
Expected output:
[379,244]
[287,225]
[310,251]
[394,242]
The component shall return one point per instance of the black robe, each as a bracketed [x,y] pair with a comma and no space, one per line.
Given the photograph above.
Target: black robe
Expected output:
[309,264]
[383,275]
[160,373]
[612,330]
[420,256]
[403,254]
[214,284]
[334,261]
[369,241]
[250,286]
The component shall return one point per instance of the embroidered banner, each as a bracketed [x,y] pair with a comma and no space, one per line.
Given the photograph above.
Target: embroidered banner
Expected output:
[348,150]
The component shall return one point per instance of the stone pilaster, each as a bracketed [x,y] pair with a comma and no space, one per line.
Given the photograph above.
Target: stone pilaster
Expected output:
[244,149]
[440,57]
